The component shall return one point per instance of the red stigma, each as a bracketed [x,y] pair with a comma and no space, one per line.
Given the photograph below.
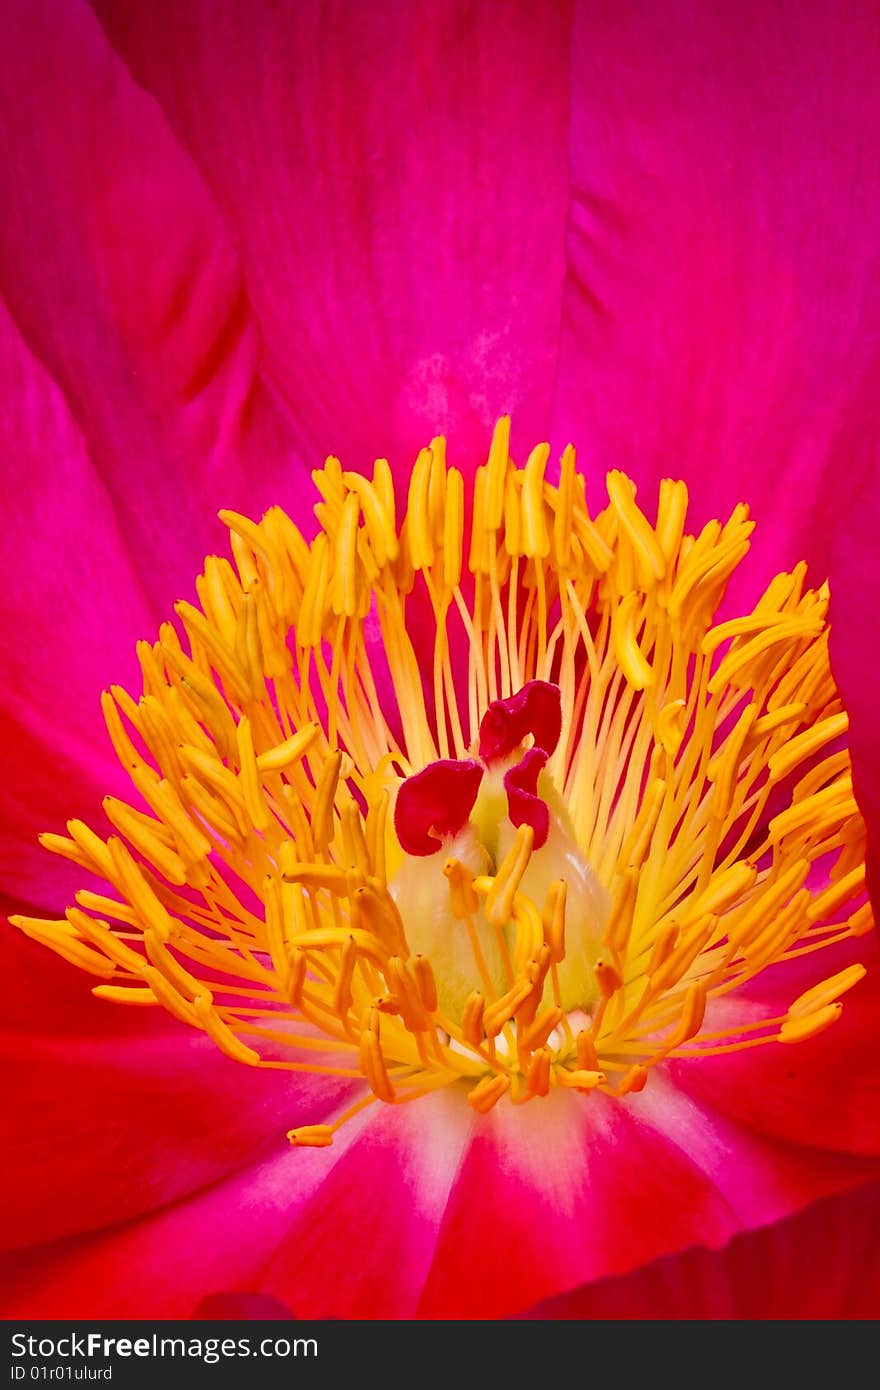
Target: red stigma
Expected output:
[436,803]
[535,710]
[524,806]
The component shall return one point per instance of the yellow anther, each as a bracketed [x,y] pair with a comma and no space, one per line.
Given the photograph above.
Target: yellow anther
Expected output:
[373,1066]
[176,974]
[472,1018]
[63,940]
[499,1013]
[839,893]
[809,1025]
[323,826]
[353,840]
[805,745]
[554,919]
[499,899]
[453,528]
[671,726]
[563,519]
[311,1137]
[607,978]
[380,526]
[724,768]
[406,994]
[649,555]
[487,1093]
[538,1032]
[535,536]
[130,881]
[285,754]
[143,836]
[252,791]
[692,1014]
[496,474]
[580,1079]
[342,997]
[538,1074]
[463,898]
[317,876]
[418,522]
[638,842]
[170,998]
[724,889]
[374,909]
[344,588]
[221,1035]
[671,511]
[125,994]
[587,1059]
[828,991]
[624,626]
[633,1081]
[427,985]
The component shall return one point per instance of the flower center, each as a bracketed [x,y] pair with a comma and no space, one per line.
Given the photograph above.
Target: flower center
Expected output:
[497,818]
[513,824]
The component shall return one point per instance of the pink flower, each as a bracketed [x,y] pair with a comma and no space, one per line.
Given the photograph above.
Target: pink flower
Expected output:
[237,240]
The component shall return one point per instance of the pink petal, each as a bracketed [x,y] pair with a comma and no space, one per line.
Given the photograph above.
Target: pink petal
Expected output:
[722,299]
[822,1263]
[560,1192]
[399,200]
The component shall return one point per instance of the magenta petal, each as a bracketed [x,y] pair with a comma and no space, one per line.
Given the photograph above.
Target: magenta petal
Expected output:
[124,282]
[722,301]
[524,806]
[536,709]
[435,803]
[855,655]
[396,178]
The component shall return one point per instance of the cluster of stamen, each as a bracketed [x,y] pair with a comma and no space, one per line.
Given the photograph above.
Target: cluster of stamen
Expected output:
[700,822]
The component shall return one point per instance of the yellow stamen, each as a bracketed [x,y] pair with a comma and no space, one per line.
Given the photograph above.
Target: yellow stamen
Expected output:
[258,880]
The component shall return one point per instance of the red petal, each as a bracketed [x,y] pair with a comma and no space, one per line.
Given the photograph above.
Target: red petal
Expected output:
[824,1093]
[823,1263]
[113,1111]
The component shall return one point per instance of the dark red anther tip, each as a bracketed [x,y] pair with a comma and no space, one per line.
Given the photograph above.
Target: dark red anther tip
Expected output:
[524,806]
[435,803]
[535,710]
